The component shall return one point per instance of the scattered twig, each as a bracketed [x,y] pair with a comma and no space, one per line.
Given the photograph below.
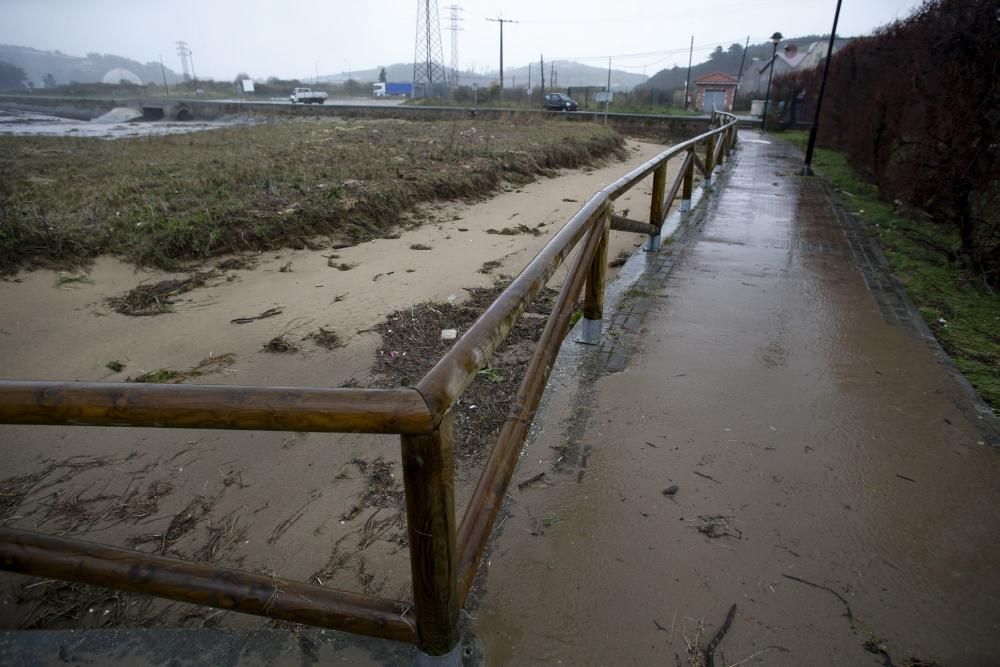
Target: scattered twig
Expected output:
[908,479]
[753,655]
[531,480]
[850,614]
[717,639]
[709,477]
[270,312]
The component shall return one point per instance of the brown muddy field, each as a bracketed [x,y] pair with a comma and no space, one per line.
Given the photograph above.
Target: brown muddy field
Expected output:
[323,508]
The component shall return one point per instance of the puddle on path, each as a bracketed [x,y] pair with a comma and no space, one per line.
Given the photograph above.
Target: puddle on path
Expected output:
[810,442]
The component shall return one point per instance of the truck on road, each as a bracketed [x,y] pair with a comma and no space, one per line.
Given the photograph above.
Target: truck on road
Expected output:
[307,96]
[392,89]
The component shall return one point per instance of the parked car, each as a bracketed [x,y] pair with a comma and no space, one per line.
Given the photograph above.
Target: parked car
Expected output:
[307,96]
[559,102]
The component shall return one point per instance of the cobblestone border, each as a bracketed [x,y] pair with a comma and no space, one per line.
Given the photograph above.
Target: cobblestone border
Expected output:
[623,325]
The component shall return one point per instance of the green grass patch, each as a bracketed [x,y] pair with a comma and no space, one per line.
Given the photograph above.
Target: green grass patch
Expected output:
[165,201]
[960,309]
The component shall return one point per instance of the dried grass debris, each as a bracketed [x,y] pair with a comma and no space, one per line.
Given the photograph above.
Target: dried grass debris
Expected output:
[157,298]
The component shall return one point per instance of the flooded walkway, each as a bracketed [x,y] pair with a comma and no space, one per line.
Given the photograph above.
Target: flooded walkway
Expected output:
[781,438]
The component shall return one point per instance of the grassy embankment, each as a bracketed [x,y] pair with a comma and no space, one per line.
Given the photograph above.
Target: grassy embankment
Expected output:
[961,310]
[166,201]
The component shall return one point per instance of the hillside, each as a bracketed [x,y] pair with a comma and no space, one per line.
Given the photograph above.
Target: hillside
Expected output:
[728,61]
[88,69]
[568,73]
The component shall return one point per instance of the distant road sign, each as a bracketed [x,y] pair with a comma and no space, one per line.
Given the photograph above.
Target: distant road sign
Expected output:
[604,96]
[247,85]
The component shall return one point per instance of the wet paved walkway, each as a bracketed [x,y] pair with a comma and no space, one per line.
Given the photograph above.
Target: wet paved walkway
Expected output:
[812,434]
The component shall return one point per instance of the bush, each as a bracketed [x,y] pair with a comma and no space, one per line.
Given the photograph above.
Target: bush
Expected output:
[916,108]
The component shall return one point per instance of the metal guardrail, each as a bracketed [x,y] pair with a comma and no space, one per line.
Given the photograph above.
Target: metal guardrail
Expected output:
[444,554]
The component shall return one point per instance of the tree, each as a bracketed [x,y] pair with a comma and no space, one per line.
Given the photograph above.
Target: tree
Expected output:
[240,77]
[735,49]
[11,76]
[49,81]
[717,54]
[381,75]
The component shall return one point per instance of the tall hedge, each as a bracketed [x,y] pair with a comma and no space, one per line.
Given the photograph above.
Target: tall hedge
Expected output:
[916,107]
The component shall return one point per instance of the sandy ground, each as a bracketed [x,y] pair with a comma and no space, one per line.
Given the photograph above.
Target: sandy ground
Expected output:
[806,441]
[284,500]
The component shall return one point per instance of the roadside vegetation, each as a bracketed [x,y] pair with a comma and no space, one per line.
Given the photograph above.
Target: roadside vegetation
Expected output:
[166,201]
[914,107]
[957,303]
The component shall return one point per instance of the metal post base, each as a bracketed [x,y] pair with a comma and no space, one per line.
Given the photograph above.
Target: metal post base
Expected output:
[451,659]
[652,243]
[590,332]
[685,205]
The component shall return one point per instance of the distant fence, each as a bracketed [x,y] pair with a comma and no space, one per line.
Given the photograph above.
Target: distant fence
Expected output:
[444,554]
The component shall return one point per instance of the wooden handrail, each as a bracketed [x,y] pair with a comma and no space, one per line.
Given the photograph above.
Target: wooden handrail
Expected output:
[446,381]
[443,560]
[674,187]
[312,409]
[39,555]
[487,498]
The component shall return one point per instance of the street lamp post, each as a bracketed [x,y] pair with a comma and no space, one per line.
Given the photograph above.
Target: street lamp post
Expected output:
[807,165]
[775,39]
[350,76]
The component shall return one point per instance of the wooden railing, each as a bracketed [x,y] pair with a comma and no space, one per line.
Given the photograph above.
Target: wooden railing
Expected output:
[444,555]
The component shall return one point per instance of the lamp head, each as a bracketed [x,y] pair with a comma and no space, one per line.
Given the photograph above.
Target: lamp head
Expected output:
[776,37]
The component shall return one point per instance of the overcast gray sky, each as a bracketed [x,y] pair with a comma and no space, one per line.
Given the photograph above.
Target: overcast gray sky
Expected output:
[296,37]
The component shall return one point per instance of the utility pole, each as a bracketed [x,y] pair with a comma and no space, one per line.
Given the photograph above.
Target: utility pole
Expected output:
[501,21]
[541,69]
[607,94]
[739,77]
[183,51]
[807,166]
[552,74]
[687,84]
[529,78]
[163,71]
[454,18]
[428,58]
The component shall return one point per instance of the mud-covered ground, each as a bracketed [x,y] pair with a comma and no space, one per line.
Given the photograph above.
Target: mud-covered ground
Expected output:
[325,508]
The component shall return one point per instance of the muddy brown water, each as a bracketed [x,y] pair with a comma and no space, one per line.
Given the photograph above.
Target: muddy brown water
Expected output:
[807,437]
[30,123]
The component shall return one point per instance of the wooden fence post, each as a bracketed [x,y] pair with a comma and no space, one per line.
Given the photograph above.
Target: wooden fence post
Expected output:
[429,478]
[656,206]
[709,160]
[593,295]
[687,190]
